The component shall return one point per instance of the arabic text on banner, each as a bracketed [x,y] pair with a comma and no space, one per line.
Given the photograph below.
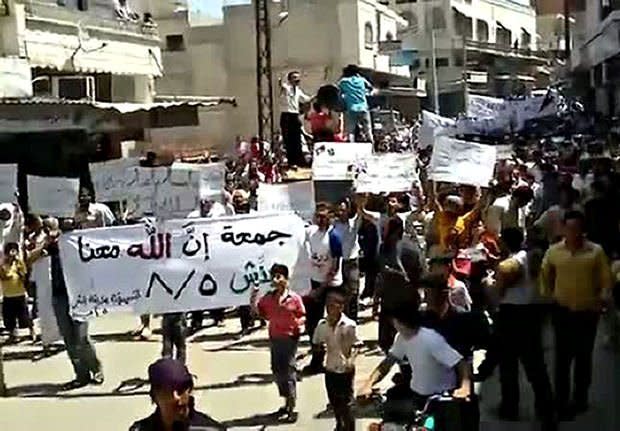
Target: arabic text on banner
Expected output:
[386,173]
[8,182]
[111,178]
[297,197]
[179,265]
[166,192]
[462,162]
[53,196]
[335,161]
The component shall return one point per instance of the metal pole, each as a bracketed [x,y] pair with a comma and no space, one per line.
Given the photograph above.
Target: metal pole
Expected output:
[435,80]
[567,48]
[465,86]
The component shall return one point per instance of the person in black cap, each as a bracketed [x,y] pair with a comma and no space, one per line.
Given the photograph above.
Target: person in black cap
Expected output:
[171,391]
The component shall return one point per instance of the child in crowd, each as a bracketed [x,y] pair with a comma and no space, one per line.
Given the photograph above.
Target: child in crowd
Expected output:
[13,275]
[284,309]
[338,334]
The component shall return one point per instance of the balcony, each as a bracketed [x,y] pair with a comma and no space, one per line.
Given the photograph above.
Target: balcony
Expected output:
[501,50]
[49,14]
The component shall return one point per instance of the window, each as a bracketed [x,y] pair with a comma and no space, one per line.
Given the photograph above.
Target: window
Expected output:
[526,39]
[439,19]
[175,42]
[82,4]
[369,36]
[442,62]
[482,30]
[406,1]
[427,63]
[458,59]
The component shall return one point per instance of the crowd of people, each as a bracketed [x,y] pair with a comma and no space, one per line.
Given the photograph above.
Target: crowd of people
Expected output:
[448,269]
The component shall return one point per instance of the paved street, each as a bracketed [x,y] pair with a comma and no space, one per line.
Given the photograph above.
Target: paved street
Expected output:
[233,385]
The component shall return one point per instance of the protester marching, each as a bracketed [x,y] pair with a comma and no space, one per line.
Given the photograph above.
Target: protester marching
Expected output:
[466,248]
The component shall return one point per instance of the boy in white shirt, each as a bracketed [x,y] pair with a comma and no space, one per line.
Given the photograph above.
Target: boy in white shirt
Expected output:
[436,367]
[338,334]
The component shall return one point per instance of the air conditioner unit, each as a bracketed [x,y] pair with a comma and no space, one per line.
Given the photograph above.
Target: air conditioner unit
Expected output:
[74,87]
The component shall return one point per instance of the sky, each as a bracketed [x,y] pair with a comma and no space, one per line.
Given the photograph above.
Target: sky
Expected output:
[213,8]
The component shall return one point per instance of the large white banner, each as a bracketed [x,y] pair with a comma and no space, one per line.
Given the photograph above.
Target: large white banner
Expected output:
[297,197]
[179,265]
[111,178]
[389,172]
[462,162]
[434,125]
[485,106]
[165,192]
[53,196]
[336,160]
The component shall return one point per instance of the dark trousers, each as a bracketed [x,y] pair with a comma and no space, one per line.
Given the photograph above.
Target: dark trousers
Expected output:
[520,336]
[387,333]
[245,317]
[339,388]
[173,330]
[75,336]
[351,286]
[15,312]
[290,125]
[369,282]
[284,367]
[315,309]
[575,332]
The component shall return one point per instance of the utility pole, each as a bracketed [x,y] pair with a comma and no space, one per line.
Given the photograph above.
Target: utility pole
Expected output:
[465,85]
[567,49]
[264,77]
[435,80]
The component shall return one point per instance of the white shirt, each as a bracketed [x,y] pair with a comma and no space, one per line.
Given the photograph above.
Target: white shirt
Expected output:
[523,291]
[504,214]
[321,256]
[291,97]
[432,361]
[217,210]
[348,236]
[339,342]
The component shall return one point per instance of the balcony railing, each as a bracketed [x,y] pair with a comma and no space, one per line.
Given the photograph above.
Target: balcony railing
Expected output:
[88,19]
[501,49]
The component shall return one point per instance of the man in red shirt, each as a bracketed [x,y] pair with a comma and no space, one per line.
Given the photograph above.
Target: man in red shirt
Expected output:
[285,312]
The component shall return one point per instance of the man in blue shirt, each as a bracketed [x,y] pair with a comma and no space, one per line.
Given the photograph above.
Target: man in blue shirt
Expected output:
[354,89]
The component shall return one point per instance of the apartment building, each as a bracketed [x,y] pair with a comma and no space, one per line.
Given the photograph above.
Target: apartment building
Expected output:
[482,46]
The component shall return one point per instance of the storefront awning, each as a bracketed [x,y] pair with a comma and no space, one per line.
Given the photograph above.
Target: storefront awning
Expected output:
[124,108]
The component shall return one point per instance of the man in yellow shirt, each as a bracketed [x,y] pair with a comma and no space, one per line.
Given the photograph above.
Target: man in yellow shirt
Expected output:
[576,274]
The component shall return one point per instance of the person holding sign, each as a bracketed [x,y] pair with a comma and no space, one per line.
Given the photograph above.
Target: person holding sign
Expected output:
[13,275]
[325,247]
[284,309]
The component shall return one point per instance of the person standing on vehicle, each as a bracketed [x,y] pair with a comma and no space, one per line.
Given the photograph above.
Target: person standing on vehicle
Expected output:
[354,90]
[292,96]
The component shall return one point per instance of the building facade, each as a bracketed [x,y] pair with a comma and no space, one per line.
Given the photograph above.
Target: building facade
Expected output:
[317,37]
[595,58]
[79,49]
[483,46]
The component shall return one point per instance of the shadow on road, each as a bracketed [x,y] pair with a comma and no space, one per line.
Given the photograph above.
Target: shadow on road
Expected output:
[131,387]
[270,419]
[32,355]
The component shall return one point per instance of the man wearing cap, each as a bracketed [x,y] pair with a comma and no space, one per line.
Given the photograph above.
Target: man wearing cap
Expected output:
[171,391]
